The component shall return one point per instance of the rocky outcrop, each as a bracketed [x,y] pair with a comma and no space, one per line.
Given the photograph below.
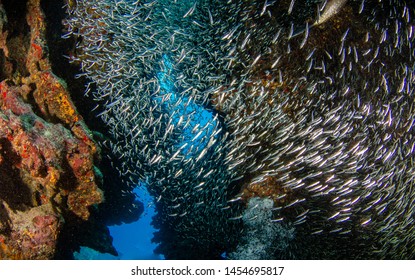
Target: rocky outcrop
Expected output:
[47,155]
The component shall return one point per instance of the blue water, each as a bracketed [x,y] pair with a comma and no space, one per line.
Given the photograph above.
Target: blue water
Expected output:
[132,241]
[202,121]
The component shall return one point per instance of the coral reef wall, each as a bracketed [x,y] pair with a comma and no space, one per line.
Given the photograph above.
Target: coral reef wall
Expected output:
[49,184]
[308,104]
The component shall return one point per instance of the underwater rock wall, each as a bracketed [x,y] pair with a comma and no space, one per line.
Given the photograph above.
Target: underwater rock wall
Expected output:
[310,105]
[48,178]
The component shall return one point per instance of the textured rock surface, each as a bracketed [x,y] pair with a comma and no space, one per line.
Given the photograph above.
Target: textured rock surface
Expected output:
[47,154]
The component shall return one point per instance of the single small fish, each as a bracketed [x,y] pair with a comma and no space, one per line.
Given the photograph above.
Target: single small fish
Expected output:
[332,8]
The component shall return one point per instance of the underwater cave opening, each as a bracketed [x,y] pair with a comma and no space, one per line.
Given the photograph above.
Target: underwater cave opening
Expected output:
[133,240]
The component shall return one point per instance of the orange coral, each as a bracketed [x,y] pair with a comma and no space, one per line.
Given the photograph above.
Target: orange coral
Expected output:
[46,150]
[269,187]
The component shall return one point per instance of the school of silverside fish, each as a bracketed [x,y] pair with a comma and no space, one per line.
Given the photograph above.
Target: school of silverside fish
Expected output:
[214,104]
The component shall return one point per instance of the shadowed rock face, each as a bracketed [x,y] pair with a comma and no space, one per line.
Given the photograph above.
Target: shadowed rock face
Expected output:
[50,187]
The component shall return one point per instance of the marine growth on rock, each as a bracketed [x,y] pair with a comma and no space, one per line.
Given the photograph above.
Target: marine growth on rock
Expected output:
[217,105]
[48,182]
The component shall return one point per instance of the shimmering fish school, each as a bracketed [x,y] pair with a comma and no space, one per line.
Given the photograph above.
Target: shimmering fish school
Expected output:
[207,99]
